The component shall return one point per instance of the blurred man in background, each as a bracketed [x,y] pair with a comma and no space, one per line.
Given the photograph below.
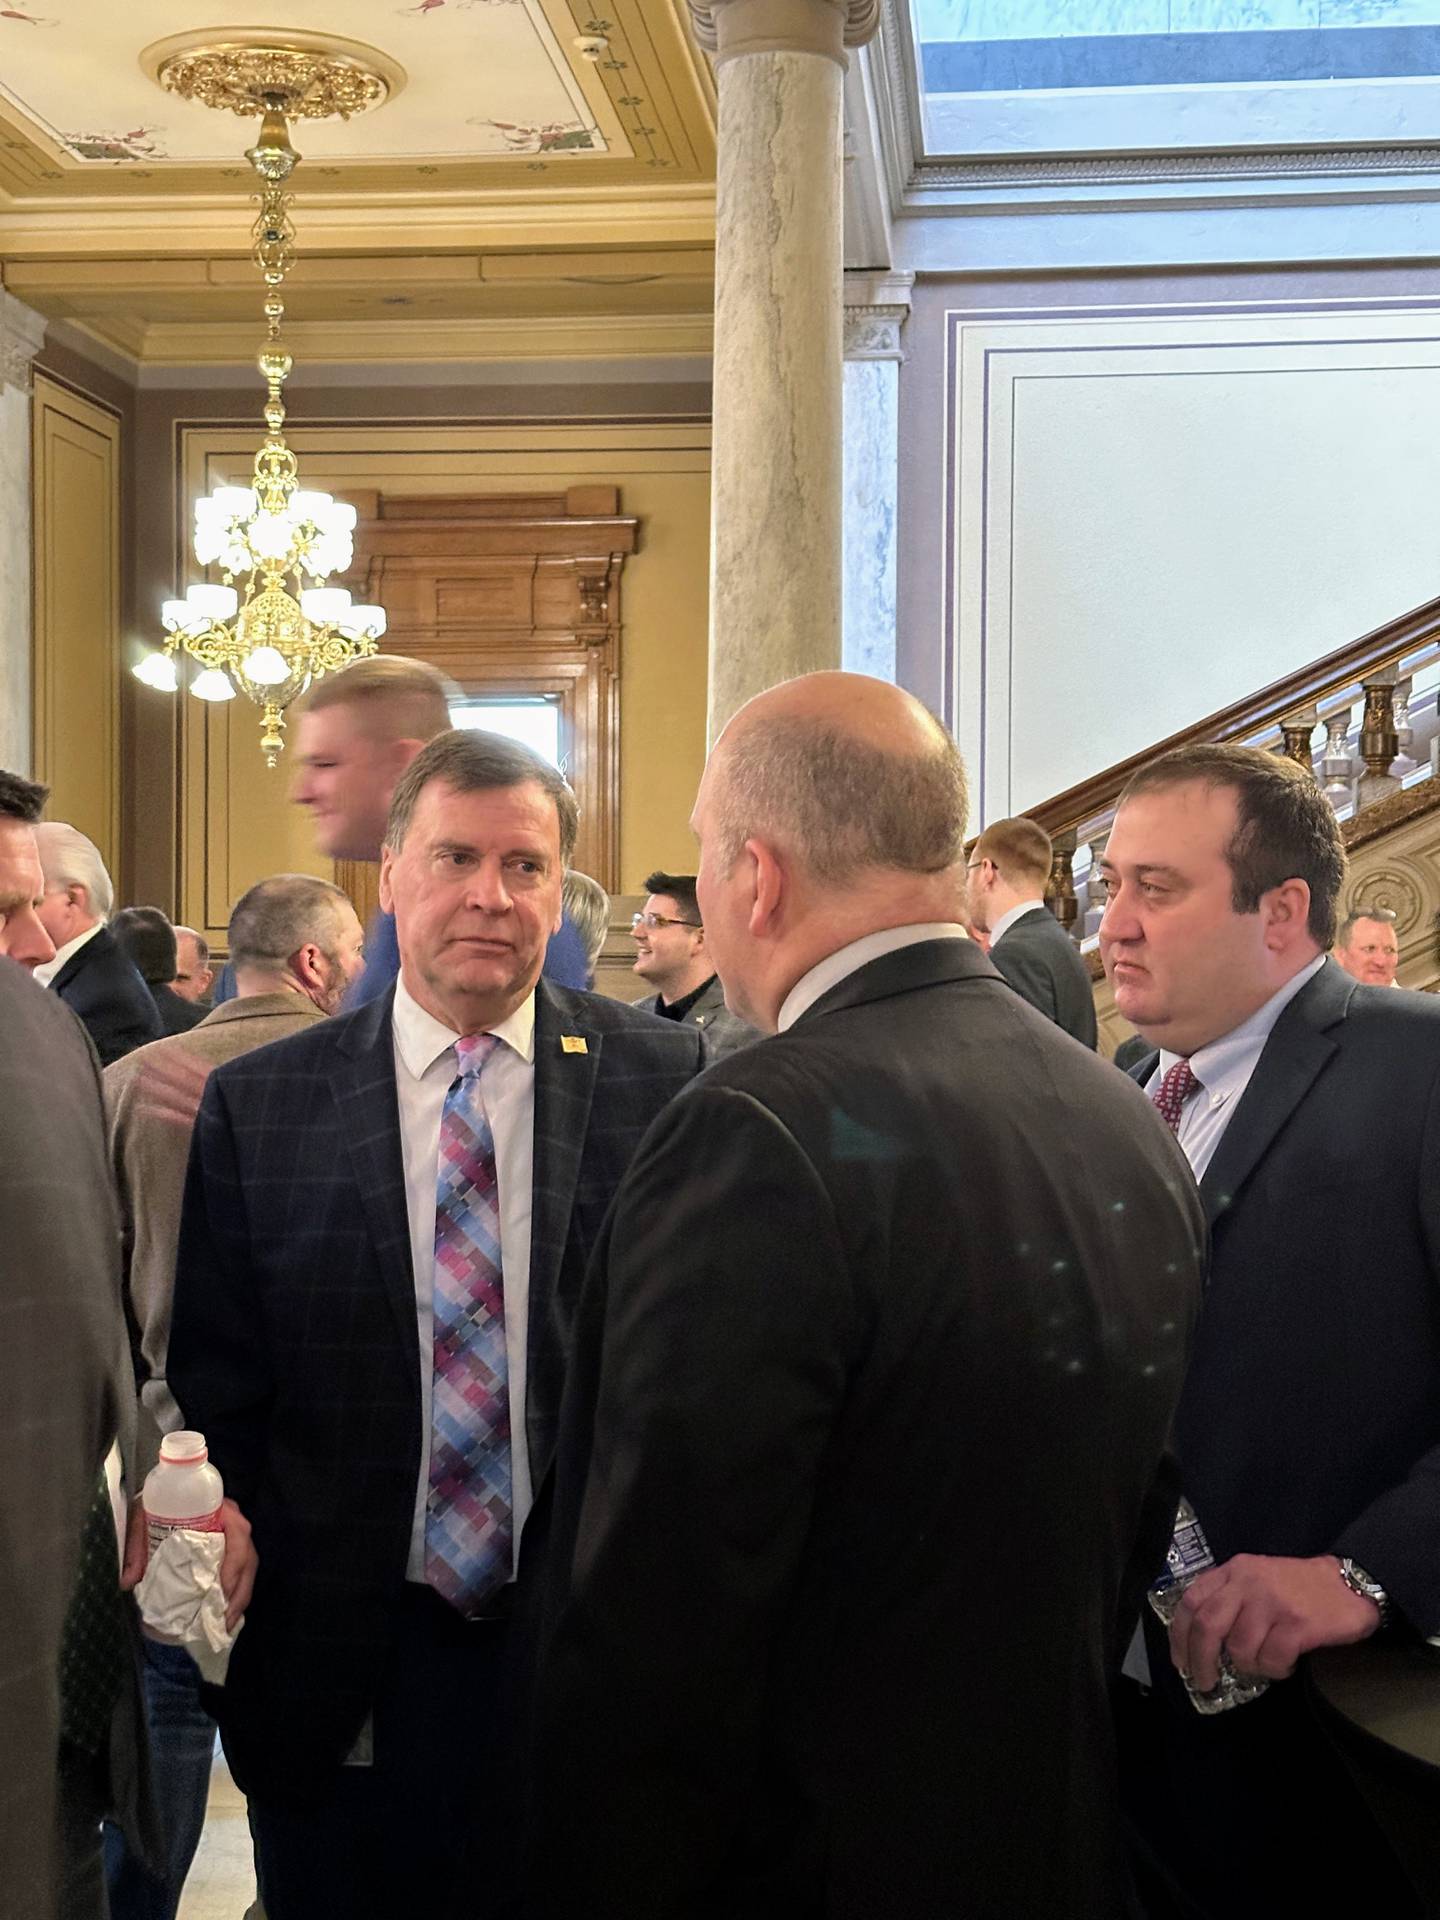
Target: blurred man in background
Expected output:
[1367,948]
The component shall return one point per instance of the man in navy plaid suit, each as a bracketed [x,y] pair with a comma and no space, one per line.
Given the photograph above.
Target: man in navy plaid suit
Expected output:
[386,1224]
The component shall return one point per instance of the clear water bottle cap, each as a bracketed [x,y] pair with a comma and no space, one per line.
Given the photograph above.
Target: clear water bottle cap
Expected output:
[184,1449]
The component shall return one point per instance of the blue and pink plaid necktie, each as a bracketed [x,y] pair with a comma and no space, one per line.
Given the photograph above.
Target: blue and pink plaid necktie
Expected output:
[468,1518]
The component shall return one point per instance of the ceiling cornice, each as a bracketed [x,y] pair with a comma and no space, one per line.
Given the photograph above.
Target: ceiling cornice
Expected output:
[417,342]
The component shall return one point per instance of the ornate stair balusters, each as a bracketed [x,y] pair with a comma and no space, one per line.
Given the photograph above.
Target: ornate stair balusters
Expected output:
[1379,741]
[1297,730]
[1060,894]
[1337,765]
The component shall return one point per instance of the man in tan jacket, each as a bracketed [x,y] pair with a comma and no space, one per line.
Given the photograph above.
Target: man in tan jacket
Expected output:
[295,945]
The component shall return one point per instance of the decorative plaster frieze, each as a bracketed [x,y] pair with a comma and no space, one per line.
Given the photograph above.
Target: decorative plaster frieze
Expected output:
[727,27]
[877,305]
[22,334]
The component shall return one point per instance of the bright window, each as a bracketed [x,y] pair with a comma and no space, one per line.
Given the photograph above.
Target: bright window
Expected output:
[534,722]
[1075,76]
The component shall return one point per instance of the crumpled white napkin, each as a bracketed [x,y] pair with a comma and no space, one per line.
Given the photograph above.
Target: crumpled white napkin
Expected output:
[182,1602]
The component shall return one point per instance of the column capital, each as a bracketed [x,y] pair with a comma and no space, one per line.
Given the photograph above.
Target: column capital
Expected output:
[877,305]
[22,334]
[726,28]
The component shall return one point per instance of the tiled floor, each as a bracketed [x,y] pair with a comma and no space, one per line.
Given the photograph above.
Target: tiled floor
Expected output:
[221,1885]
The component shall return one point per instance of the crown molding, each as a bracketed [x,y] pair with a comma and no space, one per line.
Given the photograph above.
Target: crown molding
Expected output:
[429,343]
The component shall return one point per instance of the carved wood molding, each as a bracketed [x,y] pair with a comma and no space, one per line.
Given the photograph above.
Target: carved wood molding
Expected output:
[515,594]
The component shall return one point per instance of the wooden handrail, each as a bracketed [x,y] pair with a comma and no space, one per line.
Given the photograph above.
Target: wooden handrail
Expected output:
[1305,687]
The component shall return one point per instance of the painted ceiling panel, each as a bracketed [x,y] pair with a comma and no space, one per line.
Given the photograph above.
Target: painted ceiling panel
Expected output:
[485,78]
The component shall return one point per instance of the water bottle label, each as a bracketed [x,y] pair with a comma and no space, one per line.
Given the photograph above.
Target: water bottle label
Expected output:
[1189,1551]
[156,1529]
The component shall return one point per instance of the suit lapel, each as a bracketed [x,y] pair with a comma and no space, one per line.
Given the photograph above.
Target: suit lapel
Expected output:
[364,1084]
[1298,1049]
[564,1087]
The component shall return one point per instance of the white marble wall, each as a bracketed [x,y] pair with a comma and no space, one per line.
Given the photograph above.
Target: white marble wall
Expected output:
[875,311]
[21,333]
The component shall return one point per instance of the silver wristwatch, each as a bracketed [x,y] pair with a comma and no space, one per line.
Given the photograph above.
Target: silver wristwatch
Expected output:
[1360,1582]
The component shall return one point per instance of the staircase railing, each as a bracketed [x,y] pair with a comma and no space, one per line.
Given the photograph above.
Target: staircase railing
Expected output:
[1365,719]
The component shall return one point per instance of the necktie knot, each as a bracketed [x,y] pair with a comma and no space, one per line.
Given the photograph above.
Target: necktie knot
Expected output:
[1174,1090]
[472,1050]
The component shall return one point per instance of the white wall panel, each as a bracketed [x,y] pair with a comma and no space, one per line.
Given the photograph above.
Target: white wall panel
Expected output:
[1150,518]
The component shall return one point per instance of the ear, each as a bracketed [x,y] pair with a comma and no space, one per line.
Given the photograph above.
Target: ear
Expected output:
[1285,912]
[307,964]
[769,887]
[387,890]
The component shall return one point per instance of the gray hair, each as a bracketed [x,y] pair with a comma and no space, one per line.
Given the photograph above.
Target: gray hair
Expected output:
[473,761]
[278,916]
[68,859]
[588,906]
[838,804]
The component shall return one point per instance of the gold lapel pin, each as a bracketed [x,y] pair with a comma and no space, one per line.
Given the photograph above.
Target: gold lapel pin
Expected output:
[573,1043]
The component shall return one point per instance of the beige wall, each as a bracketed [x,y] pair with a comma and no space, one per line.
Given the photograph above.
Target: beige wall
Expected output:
[76,476]
[236,823]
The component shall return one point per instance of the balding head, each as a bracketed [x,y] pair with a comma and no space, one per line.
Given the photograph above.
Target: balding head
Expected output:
[832,806]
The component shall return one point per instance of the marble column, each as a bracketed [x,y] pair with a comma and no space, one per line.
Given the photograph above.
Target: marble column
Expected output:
[876,308]
[21,334]
[776,516]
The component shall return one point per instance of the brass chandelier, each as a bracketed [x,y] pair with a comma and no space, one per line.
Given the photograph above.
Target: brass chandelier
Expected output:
[271,626]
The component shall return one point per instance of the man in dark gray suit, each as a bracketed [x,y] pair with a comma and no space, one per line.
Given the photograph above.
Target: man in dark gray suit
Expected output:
[1308,1434]
[385,1228]
[671,955]
[872,1380]
[62,1375]
[1008,873]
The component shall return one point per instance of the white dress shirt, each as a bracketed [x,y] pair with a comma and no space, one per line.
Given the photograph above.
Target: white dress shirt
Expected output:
[1223,1069]
[48,969]
[1007,920]
[838,966]
[425,1067]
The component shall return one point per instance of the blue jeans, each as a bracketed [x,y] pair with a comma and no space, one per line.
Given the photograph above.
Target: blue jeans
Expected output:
[182,1747]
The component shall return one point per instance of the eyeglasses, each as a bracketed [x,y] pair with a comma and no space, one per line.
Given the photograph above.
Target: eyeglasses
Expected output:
[653,920]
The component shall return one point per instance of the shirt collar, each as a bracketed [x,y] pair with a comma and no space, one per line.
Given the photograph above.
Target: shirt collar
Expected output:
[1225,1064]
[1007,920]
[420,1039]
[838,966]
[48,969]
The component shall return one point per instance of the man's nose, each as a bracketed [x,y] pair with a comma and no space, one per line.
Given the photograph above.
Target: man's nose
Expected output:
[1118,922]
[34,946]
[487,888]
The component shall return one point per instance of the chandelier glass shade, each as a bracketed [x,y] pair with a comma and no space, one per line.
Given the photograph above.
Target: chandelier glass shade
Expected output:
[271,625]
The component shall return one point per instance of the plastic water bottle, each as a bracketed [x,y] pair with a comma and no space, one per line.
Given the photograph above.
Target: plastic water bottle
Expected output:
[1189,1555]
[184,1490]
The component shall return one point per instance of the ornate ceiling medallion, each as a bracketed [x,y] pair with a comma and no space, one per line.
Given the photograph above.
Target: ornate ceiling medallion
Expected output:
[308,76]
